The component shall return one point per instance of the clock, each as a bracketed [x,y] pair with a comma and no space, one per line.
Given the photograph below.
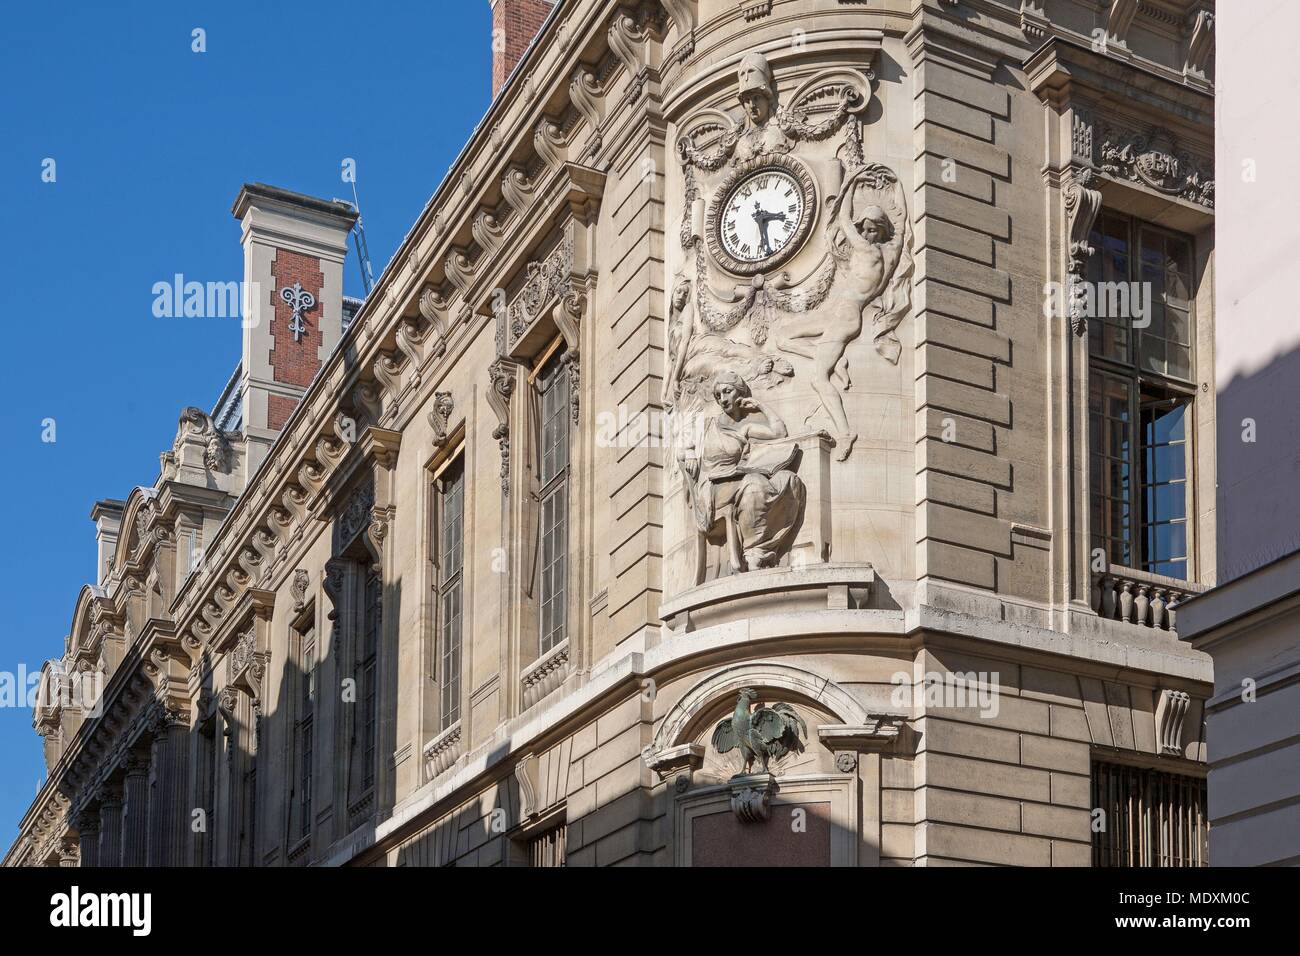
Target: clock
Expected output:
[761,214]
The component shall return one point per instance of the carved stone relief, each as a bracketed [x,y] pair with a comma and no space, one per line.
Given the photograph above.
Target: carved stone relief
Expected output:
[1155,159]
[793,164]
[742,487]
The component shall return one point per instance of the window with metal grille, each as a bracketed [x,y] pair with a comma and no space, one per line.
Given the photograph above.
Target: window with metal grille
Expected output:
[548,849]
[553,385]
[1149,817]
[1140,394]
[372,623]
[450,516]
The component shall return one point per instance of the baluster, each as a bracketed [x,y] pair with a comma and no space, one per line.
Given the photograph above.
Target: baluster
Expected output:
[1126,602]
[1143,604]
[1108,597]
[1158,609]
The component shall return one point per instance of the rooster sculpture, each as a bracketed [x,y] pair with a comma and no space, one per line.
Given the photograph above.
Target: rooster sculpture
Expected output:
[766,734]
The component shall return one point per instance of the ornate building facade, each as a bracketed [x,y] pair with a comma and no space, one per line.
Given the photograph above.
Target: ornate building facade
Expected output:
[784,437]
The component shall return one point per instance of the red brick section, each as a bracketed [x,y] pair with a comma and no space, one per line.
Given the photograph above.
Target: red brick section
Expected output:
[278,410]
[518,21]
[294,363]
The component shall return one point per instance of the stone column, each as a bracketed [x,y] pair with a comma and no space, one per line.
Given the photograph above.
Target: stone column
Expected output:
[135,810]
[87,823]
[110,825]
[169,808]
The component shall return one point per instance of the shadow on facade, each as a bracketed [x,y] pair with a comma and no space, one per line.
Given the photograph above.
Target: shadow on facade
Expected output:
[1258,419]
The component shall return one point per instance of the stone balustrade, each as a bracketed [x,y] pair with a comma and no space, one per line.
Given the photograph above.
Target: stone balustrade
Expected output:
[1140,598]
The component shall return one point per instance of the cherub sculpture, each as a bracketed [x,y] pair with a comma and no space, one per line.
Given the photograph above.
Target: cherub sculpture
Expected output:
[873,249]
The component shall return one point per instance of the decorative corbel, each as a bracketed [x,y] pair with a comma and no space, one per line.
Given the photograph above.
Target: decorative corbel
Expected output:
[518,189]
[459,271]
[587,94]
[1082,204]
[751,797]
[568,318]
[331,450]
[433,307]
[223,595]
[295,502]
[366,402]
[550,144]
[526,774]
[501,378]
[487,231]
[376,534]
[629,41]
[1171,711]
[311,476]
[251,560]
[301,582]
[193,648]
[388,370]
[411,336]
[878,733]
[439,417]
[676,765]
[332,584]
[227,705]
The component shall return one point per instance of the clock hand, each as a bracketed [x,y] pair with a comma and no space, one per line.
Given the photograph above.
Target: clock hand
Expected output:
[763,219]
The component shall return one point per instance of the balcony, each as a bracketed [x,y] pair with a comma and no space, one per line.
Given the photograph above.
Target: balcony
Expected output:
[1140,598]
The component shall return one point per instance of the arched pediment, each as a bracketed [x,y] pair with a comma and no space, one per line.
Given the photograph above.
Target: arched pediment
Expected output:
[129,536]
[83,617]
[717,693]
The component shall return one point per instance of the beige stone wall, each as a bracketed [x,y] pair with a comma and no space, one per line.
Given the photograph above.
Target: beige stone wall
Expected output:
[959,530]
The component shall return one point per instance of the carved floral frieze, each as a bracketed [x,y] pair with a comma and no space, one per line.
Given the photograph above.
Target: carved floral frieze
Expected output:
[547,281]
[1157,160]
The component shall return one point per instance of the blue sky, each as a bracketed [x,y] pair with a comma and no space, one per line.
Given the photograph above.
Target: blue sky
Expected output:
[151,143]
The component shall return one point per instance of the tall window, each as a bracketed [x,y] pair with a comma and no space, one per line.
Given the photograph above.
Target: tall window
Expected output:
[1149,817]
[553,385]
[449,585]
[306,724]
[372,622]
[1140,394]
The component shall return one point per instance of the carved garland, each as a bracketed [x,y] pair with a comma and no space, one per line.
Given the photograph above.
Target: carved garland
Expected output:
[1155,160]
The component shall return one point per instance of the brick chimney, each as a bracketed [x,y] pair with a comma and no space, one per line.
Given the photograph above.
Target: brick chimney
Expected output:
[514,24]
[294,247]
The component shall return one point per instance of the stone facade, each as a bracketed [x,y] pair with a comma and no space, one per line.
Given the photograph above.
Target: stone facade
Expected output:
[608,456]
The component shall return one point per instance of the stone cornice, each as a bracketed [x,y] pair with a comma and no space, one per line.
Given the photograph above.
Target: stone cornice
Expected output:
[1063,69]
[125,698]
[304,456]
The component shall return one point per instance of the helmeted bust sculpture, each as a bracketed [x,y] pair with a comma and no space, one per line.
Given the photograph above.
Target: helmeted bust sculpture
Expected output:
[758,97]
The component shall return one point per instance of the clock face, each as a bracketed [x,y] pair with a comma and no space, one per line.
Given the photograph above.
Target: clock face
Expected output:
[761,216]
